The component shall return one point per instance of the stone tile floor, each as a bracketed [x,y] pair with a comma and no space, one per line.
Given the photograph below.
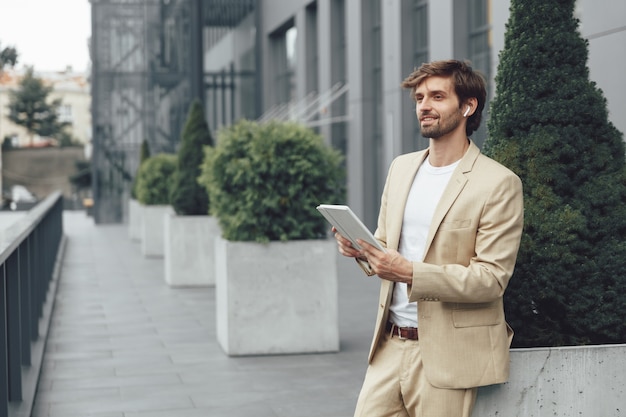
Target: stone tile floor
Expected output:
[124,344]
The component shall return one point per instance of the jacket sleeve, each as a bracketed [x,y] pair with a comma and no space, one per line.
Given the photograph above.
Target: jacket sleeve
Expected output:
[473,253]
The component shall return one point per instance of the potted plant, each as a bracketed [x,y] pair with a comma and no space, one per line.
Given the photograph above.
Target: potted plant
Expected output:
[276,273]
[153,190]
[190,232]
[134,207]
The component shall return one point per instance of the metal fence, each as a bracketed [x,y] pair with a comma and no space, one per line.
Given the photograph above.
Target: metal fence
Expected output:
[29,250]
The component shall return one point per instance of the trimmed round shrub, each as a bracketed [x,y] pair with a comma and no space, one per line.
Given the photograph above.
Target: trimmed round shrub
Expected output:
[154,179]
[265,180]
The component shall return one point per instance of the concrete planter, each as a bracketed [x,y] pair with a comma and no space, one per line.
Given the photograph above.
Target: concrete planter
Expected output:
[134,219]
[189,251]
[563,381]
[152,229]
[276,298]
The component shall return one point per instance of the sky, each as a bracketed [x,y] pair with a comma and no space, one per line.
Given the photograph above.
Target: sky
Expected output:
[48,34]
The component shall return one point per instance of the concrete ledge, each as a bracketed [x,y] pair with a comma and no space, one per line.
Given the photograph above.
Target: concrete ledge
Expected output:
[153,229]
[189,251]
[563,381]
[276,298]
[134,220]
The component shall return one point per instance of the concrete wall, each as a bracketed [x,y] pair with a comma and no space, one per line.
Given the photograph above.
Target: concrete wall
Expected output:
[603,23]
[42,171]
[587,381]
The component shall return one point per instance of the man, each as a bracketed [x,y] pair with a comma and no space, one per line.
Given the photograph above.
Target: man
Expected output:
[451,220]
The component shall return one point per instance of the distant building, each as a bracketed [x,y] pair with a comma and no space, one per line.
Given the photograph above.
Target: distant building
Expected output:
[71,87]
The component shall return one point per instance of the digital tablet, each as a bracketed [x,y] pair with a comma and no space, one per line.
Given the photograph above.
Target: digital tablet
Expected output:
[348,224]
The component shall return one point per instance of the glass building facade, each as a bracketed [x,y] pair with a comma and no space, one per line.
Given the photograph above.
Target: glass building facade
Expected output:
[334,65]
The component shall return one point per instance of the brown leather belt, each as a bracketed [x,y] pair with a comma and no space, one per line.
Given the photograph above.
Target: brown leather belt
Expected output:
[410,333]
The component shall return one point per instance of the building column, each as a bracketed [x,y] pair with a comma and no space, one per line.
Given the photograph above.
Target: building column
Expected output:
[196,71]
[324,51]
[301,52]
[441,29]
[392,49]
[354,63]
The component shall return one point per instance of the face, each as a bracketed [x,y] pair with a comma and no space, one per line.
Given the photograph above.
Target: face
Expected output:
[437,107]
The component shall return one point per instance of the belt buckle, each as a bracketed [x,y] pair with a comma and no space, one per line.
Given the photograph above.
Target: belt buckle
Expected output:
[399,332]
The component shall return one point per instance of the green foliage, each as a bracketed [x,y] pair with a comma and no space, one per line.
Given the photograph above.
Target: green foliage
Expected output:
[8,57]
[549,123]
[7,143]
[29,107]
[264,181]
[144,153]
[65,139]
[154,179]
[82,179]
[188,196]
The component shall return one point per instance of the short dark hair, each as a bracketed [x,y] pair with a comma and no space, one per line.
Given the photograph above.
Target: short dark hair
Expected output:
[467,83]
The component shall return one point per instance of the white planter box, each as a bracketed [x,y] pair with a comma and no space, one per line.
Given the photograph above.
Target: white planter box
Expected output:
[189,251]
[276,298]
[153,229]
[562,381]
[134,219]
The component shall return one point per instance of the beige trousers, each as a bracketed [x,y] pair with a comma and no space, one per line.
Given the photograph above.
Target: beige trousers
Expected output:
[395,385]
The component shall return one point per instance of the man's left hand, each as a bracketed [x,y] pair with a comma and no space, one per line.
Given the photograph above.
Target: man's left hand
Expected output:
[388,265]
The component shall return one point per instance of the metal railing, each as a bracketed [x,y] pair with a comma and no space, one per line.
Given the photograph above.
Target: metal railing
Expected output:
[28,256]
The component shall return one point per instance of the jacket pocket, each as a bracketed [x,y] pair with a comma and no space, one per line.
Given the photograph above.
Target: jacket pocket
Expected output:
[455,224]
[477,315]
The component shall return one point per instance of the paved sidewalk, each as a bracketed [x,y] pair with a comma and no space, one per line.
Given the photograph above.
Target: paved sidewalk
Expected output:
[124,344]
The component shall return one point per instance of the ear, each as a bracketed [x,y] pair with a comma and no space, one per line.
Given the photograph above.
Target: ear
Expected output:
[471,104]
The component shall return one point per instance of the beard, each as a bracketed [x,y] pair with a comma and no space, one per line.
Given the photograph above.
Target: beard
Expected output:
[442,127]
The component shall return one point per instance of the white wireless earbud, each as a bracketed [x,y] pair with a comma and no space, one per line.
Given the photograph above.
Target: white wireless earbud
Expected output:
[466,111]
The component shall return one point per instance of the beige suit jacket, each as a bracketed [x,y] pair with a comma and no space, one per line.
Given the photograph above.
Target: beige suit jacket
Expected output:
[470,254]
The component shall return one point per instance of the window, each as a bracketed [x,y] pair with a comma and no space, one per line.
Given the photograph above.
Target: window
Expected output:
[374,150]
[479,52]
[420,39]
[376,68]
[479,48]
[65,113]
[420,32]
[339,130]
[284,47]
[312,57]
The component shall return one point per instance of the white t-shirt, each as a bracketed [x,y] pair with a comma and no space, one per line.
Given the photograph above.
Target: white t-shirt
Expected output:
[425,193]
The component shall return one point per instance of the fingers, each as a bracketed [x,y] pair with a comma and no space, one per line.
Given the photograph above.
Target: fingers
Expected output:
[345,246]
[369,250]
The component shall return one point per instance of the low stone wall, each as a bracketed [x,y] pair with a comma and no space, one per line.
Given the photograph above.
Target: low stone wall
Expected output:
[588,381]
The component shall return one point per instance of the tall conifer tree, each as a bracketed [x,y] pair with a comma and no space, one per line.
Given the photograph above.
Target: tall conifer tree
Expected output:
[30,107]
[549,123]
[188,197]
[144,154]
